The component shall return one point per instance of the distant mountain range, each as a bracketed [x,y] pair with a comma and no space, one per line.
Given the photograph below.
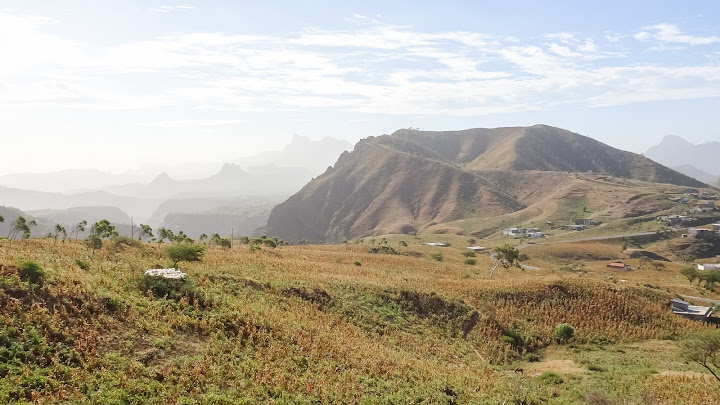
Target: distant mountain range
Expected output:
[701,162]
[232,197]
[232,180]
[412,180]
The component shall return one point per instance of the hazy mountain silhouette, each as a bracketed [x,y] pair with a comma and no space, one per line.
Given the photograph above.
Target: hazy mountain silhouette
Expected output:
[676,152]
[302,152]
[402,182]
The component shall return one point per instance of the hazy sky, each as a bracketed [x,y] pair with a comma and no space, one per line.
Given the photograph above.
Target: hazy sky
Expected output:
[114,84]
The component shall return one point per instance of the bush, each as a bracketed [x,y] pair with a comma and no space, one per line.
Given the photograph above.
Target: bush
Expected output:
[469,253]
[82,264]
[185,252]
[357,263]
[532,357]
[508,340]
[564,332]
[32,273]
[437,256]
[470,262]
[385,249]
[595,367]
[162,287]
[549,378]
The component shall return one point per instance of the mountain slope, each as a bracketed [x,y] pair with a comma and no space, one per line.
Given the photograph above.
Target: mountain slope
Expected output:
[412,180]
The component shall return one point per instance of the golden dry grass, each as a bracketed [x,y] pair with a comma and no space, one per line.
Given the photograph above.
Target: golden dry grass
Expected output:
[392,330]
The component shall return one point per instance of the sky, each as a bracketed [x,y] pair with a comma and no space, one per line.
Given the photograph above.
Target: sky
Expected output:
[117,84]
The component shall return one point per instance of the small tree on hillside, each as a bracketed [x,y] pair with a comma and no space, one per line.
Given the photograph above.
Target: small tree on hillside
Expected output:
[59,229]
[21,225]
[506,256]
[704,349]
[79,227]
[146,231]
[103,229]
[163,234]
[185,252]
[2,219]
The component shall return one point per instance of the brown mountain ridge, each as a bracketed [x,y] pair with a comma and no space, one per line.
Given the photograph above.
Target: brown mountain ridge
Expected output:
[411,180]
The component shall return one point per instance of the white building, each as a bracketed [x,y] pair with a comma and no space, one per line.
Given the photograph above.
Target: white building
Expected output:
[709,266]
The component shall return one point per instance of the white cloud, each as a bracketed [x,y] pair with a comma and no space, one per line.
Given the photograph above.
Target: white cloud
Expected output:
[169,9]
[671,33]
[193,123]
[379,69]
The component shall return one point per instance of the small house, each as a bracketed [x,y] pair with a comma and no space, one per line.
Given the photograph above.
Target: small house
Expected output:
[574,227]
[515,232]
[694,312]
[619,266]
[586,221]
[708,266]
[692,191]
[674,219]
[476,248]
[716,227]
[436,244]
[535,235]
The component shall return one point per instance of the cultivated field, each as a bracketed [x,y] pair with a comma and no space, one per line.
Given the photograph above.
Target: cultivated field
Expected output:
[336,324]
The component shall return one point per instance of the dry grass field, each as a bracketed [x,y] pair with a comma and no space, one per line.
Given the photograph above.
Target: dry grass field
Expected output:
[336,324]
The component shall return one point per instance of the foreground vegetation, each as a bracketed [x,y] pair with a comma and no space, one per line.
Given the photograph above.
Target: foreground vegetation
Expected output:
[339,324]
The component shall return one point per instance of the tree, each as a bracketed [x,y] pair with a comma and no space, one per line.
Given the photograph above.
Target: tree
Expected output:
[21,224]
[103,229]
[690,272]
[59,229]
[185,252]
[79,227]
[202,237]
[146,231]
[2,219]
[506,256]
[704,349]
[163,234]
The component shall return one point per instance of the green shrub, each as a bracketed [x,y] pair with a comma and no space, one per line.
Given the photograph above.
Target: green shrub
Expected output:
[550,378]
[357,263]
[385,249]
[508,340]
[32,273]
[595,367]
[532,357]
[564,332]
[470,262]
[469,253]
[162,287]
[83,264]
[437,256]
[185,252]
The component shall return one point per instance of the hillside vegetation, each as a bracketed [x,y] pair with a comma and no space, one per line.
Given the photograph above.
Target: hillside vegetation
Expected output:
[335,324]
